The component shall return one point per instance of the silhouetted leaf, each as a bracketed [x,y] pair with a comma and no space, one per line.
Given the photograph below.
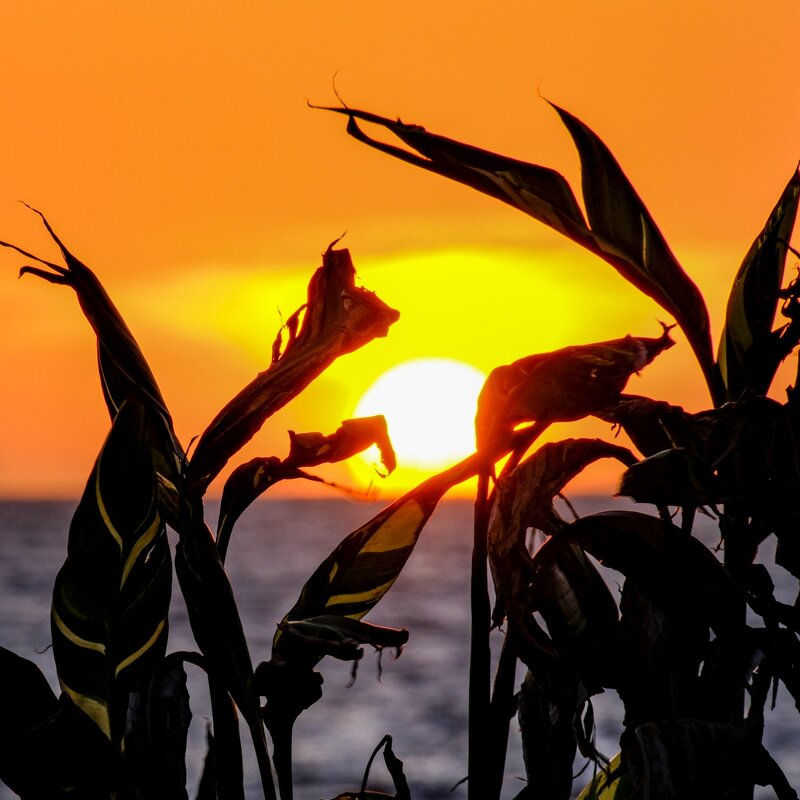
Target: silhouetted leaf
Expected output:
[250,480]
[612,783]
[632,243]
[339,318]
[749,353]
[620,229]
[363,567]
[676,477]
[122,365]
[48,747]
[111,598]
[560,386]
[247,482]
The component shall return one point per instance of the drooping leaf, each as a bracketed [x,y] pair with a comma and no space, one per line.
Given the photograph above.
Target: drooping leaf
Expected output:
[250,480]
[111,598]
[620,229]
[338,318]
[749,353]
[247,482]
[352,437]
[560,386]
[308,640]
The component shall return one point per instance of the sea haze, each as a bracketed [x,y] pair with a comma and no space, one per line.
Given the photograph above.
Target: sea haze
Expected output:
[420,698]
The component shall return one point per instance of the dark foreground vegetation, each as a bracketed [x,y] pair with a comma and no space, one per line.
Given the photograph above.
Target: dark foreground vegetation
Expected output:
[695,644]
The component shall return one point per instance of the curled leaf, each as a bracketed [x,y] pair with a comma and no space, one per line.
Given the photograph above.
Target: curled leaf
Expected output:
[339,318]
[352,437]
[560,386]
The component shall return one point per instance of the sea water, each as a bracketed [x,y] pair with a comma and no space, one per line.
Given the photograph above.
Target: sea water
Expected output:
[419,698]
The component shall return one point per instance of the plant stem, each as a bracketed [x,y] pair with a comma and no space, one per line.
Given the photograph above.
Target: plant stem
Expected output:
[480,659]
[501,711]
[282,757]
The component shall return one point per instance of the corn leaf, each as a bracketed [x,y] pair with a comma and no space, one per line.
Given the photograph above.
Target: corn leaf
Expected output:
[111,597]
[749,353]
[338,318]
[620,229]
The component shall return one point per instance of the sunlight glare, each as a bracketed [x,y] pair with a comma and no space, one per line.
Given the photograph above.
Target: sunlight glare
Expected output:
[429,405]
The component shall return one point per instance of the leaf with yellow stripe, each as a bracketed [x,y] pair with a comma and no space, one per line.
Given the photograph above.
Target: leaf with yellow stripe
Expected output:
[365,564]
[111,596]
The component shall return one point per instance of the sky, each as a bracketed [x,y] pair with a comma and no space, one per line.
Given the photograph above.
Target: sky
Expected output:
[172,148]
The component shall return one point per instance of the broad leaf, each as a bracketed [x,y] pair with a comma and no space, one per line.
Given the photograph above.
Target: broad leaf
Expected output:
[111,597]
[749,353]
[338,318]
[560,386]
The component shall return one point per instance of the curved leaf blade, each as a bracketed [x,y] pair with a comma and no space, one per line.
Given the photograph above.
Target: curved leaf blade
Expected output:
[111,598]
[632,243]
[748,356]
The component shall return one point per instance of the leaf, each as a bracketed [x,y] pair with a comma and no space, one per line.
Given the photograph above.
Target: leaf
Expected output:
[620,229]
[609,784]
[339,318]
[122,365]
[341,637]
[365,564]
[748,353]
[632,243]
[675,477]
[560,386]
[352,437]
[247,482]
[250,480]
[111,598]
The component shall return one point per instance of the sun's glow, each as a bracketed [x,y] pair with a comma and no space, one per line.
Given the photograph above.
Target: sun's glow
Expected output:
[429,405]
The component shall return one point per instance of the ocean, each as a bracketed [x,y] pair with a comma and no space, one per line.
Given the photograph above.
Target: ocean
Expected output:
[419,698]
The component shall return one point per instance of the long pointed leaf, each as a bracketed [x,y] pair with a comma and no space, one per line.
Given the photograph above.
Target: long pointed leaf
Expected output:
[620,229]
[111,597]
[122,364]
[747,357]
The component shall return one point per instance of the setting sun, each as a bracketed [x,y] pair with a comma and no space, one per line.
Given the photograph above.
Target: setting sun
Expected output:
[429,405]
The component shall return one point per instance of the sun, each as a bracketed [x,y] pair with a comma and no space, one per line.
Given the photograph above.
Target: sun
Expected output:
[429,405]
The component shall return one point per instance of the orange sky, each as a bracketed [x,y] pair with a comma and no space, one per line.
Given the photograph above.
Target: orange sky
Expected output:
[171,147]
